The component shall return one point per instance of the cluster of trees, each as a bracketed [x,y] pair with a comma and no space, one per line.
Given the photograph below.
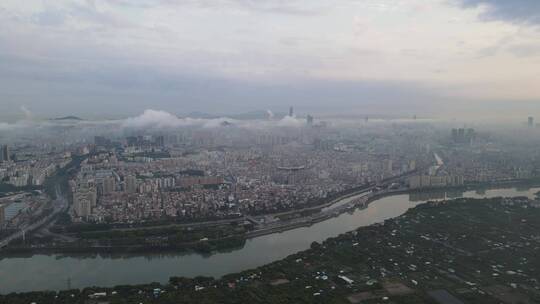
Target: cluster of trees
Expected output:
[103,238]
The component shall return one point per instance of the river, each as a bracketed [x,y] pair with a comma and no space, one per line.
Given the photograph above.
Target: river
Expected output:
[52,272]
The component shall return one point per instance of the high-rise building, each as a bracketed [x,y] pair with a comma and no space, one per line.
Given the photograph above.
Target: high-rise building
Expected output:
[4,156]
[530,122]
[82,205]
[2,215]
[412,165]
[455,135]
[131,184]
[101,141]
[463,135]
[131,141]
[310,120]
[83,201]
[109,184]
[388,166]
[291,111]
[160,141]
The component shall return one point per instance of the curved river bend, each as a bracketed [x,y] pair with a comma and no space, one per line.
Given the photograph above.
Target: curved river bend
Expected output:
[52,272]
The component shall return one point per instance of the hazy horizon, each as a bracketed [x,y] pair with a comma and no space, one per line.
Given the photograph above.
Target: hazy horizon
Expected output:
[269,151]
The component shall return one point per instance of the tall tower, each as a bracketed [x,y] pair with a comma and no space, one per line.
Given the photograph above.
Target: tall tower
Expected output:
[309,120]
[2,215]
[291,111]
[530,122]
[131,184]
[5,154]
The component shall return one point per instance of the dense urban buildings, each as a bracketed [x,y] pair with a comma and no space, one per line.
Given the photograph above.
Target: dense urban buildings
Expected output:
[249,168]
[208,186]
[270,151]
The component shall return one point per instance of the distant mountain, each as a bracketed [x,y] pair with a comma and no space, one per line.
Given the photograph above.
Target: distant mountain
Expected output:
[68,118]
[226,124]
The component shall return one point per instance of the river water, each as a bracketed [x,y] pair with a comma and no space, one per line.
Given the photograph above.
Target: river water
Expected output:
[52,272]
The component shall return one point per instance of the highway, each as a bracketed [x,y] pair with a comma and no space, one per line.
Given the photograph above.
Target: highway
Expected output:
[59,204]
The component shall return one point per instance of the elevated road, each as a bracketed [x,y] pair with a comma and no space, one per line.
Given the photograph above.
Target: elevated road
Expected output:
[60,204]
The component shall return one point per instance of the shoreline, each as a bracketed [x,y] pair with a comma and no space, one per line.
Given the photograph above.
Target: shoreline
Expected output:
[296,223]
[378,196]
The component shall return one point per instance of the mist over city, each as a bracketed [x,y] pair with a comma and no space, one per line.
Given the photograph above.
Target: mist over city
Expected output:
[241,151]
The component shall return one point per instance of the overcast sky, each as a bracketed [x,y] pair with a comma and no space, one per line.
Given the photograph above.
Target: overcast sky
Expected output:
[119,57]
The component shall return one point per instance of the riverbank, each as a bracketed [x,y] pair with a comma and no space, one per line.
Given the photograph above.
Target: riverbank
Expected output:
[203,245]
[203,240]
[208,246]
[462,245]
[308,221]
[41,272]
[150,240]
[56,246]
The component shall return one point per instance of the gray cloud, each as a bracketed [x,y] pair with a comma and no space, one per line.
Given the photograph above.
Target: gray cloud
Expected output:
[286,7]
[120,57]
[509,45]
[151,120]
[158,119]
[50,88]
[518,11]
[525,50]
[96,82]
[85,11]
[50,17]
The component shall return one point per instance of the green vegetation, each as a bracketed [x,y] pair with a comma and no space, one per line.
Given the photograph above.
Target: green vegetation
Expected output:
[480,251]
[101,238]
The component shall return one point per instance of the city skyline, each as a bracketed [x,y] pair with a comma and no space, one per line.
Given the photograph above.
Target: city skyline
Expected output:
[269,151]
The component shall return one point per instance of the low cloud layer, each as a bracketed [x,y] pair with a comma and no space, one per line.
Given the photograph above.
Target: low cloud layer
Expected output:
[160,119]
[156,119]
